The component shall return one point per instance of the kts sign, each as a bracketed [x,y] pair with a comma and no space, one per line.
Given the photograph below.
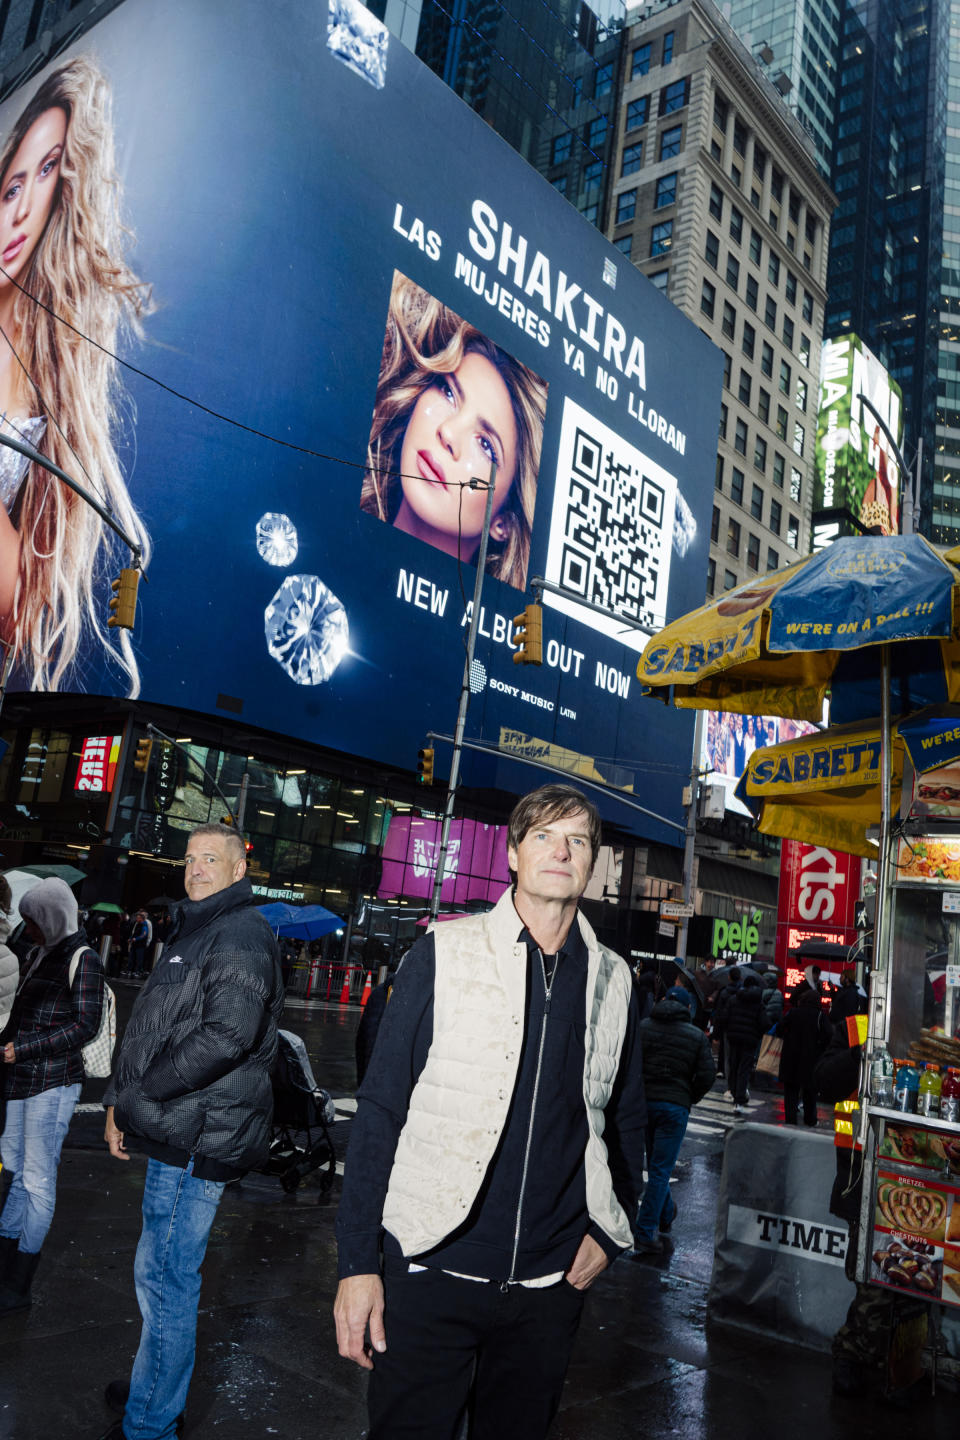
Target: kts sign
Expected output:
[819,889]
[98,764]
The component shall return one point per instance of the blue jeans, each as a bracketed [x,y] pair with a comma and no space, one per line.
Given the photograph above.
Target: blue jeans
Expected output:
[30,1148]
[666,1127]
[178,1211]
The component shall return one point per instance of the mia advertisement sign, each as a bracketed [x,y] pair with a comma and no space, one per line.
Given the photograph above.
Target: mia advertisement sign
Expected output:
[855,466]
[281,302]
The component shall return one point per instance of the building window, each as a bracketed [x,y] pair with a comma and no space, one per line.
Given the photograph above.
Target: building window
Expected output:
[736,175]
[756,503]
[776,184]
[718,475]
[711,250]
[708,296]
[791,288]
[716,201]
[776,516]
[674,97]
[740,437]
[597,132]
[736,224]
[560,184]
[781,423]
[807,307]
[739,137]
[721,112]
[711,576]
[729,322]
[788,332]
[659,280]
[803,351]
[746,384]
[766,360]
[773,559]
[784,378]
[661,237]
[715,525]
[729,579]
[561,148]
[770,313]
[759,454]
[592,174]
[793,532]
[799,439]
[733,272]
[603,80]
[632,158]
[723,422]
[763,405]
[773,269]
[638,112]
[796,485]
[755,197]
[727,364]
[733,536]
[716,150]
[801,394]
[640,61]
[666,191]
[625,245]
[752,293]
[749,339]
[590,212]
[736,486]
[626,206]
[779,465]
[753,551]
[667,48]
[756,247]
[670,142]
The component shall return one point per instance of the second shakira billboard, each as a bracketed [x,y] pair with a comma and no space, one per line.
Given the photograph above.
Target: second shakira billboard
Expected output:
[279,300]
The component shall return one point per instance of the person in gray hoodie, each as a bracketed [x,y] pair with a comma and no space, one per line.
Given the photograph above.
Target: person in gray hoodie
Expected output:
[50,1022]
[9,965]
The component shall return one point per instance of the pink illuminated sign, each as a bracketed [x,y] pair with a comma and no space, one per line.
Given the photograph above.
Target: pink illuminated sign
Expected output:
[476,863]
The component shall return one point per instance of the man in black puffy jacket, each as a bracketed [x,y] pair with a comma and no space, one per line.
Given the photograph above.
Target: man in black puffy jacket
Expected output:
[745,1025]
[678,1070]
[191,1089]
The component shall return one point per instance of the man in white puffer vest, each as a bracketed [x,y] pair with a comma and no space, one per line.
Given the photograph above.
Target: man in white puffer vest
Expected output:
[497,1151]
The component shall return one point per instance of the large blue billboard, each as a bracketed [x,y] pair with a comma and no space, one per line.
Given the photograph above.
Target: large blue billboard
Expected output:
[343,297]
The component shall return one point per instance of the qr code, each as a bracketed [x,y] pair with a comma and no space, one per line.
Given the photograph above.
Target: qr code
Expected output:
[612,528]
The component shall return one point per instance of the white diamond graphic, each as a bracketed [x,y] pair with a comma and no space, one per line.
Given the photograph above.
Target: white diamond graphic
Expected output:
[306,629]
[277,539]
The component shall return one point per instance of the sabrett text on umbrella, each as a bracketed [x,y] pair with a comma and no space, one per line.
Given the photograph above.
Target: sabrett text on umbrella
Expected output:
[827,763]
[695,655]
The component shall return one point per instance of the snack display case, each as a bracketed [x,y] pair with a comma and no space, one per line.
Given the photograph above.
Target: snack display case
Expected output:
[910,1215]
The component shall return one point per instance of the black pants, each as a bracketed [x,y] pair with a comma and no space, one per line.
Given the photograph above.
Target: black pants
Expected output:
[739,1069]
[791,1102]
[437,1326]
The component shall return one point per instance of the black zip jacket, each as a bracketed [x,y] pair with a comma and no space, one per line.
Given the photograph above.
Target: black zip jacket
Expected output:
[678,1066]
[552,1216]
[192,1077]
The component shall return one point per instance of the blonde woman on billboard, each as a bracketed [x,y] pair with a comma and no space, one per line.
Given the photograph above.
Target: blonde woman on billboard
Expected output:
[62,241]
[449,402]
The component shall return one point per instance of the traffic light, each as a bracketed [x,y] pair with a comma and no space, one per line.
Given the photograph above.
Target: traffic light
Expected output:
[124,603]
[141,760]
[425,766]
[226,819]
[528,633]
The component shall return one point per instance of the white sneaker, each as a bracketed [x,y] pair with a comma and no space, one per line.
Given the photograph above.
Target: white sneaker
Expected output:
[738,1110]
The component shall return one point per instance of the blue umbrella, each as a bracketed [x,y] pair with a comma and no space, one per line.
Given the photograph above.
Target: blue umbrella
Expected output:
[300,922]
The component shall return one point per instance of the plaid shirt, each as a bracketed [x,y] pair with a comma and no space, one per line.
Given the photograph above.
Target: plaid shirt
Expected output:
[51,1023]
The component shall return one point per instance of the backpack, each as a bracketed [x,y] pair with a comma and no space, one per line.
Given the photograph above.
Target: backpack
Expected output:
[97,1054]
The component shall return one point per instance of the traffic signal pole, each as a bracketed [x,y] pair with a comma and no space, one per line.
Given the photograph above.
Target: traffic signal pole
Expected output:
[464,695]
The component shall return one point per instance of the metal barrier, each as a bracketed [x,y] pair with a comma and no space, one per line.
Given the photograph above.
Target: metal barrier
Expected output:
[325,980]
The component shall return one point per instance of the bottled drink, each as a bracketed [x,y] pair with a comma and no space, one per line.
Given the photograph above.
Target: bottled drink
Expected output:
[928,1093]
[950,1097]
[881,1078]
[907,1085]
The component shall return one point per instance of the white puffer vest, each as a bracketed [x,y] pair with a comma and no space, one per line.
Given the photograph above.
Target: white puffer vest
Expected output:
[460,1102]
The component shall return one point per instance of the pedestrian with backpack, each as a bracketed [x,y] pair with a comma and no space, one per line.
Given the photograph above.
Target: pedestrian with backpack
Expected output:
[53,1017]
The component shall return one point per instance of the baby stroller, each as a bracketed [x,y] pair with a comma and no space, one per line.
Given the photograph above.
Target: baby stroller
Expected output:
[300,1141]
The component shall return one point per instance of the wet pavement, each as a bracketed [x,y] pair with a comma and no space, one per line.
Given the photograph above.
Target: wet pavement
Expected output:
[646,1363]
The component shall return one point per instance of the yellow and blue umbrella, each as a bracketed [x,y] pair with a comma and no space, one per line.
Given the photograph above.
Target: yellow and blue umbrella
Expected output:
[826,625]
